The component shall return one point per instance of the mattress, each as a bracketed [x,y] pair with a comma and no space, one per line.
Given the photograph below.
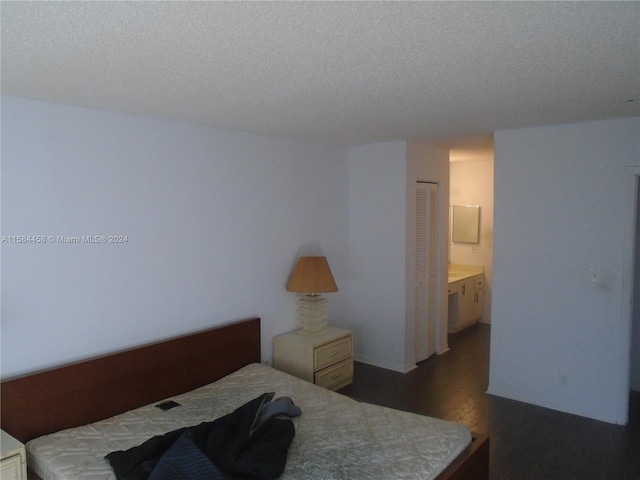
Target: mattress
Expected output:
[336,437]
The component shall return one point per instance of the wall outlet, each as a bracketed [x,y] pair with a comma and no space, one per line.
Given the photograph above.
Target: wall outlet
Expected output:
[563,379]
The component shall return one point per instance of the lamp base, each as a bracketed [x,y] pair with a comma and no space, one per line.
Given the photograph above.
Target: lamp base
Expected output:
[313,331]
[312,314]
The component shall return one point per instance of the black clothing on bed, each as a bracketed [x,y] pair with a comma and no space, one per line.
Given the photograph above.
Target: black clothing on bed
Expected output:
[185,461]
[251,442]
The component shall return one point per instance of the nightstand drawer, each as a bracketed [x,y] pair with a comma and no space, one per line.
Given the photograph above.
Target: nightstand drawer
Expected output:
[11,468]
[335,376]
[332,352]
[13,461]
[325,359]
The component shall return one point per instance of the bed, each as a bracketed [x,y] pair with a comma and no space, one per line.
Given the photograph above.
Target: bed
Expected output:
[109,403]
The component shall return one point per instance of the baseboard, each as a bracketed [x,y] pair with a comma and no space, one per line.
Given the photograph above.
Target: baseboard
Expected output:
[373,363]
[564,408]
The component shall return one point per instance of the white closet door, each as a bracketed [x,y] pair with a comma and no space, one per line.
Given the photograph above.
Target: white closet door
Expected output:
[426,269]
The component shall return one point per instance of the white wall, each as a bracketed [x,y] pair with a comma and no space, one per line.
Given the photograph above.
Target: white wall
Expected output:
[472,183]
[565,202]
[635,337]
[215,220]
[377,250]
[382,184]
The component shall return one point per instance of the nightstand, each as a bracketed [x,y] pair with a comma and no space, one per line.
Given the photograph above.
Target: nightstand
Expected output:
[13,461]
[325,359]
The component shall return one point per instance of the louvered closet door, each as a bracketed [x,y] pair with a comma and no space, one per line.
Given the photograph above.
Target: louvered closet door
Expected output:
[426,269]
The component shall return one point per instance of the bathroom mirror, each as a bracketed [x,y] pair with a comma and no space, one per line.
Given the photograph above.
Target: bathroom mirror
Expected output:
[466,223]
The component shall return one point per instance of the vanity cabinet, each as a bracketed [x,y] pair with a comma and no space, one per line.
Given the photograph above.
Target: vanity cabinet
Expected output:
[478,298]
[466,301]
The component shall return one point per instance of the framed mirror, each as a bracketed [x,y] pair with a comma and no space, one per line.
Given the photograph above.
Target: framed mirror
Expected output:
[465,223]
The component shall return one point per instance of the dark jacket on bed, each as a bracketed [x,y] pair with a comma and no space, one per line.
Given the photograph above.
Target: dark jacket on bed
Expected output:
[242,444]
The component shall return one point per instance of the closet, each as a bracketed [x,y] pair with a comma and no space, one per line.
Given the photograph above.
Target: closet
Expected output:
[426,269]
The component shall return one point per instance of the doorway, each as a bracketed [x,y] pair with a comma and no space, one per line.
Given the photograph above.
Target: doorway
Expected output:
[471,179]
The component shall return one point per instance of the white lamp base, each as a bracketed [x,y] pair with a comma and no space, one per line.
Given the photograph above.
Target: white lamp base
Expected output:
[312,314]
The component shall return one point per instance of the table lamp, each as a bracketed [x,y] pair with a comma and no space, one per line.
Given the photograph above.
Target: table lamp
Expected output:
[311,277]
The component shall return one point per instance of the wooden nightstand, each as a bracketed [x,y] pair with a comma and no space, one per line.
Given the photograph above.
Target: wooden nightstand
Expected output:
[325,359]
[13,461]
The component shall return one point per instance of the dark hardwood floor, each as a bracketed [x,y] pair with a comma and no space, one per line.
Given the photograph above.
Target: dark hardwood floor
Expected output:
[527,442]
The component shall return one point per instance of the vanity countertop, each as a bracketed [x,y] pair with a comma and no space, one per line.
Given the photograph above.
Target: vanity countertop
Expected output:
[460,272]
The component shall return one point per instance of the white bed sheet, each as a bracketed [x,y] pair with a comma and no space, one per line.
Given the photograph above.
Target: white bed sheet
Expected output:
[336,437]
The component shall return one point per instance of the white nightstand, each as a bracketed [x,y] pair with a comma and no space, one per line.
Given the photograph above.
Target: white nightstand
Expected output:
[325,359]
[13,462]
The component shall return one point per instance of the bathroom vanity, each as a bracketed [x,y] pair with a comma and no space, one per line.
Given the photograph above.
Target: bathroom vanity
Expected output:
[466,296]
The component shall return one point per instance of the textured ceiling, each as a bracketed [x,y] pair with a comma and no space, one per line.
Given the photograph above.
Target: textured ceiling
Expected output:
[336,72]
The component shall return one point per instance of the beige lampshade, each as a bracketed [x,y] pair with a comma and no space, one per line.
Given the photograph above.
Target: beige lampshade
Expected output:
[312,275]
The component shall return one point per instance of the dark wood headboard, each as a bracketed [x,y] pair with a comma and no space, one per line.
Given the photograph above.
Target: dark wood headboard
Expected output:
[91,390]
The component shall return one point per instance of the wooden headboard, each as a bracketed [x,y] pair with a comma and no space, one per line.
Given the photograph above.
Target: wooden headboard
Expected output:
[91,390]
